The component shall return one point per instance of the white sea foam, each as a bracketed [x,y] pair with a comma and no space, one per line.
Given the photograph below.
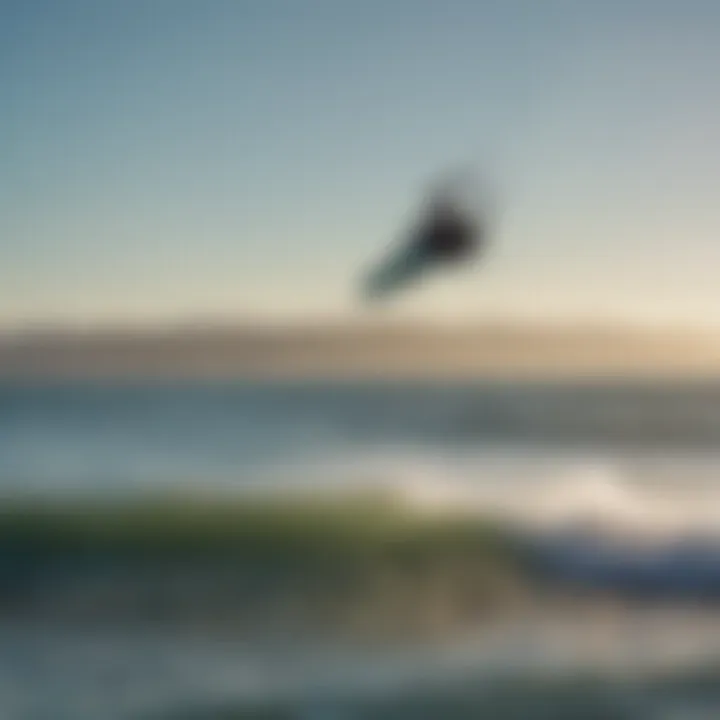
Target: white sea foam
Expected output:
[631,497]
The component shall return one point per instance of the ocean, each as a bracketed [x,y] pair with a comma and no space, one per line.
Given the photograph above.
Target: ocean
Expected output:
[611,477]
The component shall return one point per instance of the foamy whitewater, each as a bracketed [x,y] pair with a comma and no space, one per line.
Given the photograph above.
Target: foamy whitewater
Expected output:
[638,463]
[638,457]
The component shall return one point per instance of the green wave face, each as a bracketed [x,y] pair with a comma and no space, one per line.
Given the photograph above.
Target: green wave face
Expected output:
[362,568]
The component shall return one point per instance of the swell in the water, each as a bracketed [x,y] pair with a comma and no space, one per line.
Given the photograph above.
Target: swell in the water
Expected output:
[643,496]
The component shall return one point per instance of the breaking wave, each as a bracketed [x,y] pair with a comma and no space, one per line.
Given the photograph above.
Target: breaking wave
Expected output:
[642,496]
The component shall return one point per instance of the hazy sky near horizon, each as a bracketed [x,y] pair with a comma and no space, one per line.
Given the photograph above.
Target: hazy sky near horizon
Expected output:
[249,158]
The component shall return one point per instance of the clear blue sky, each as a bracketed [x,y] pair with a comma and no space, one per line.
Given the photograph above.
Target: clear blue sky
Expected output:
[176,158]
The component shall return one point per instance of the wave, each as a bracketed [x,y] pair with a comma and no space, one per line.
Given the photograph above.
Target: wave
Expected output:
[642,498]
[602,524]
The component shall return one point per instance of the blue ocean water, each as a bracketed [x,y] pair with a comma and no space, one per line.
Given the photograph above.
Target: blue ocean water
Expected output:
[97,434]
[616,444]
[639,459]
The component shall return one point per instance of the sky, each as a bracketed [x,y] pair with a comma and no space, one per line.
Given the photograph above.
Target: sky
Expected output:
[222,159]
